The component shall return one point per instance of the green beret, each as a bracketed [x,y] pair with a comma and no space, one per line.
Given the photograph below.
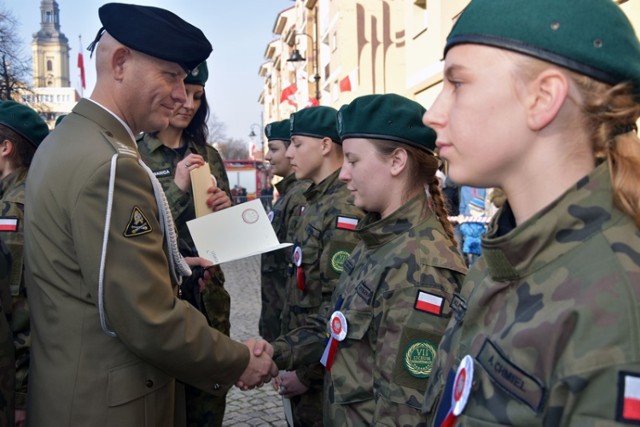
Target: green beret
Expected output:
[389,117]
[317,122]
[24,121]
[198,76]
[156,32]
[278,131]
[591,37]
[59,119]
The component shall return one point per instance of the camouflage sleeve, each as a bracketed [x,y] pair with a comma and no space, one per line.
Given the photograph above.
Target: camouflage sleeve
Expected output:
[178,200]
[18,308]
[216,164]
[310,374]
[407,338]
[301,346]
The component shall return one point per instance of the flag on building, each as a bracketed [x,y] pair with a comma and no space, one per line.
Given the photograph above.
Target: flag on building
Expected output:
[83,81]
[288,94]
[350,82]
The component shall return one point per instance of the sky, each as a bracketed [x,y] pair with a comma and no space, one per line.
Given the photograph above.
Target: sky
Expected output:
[239,31]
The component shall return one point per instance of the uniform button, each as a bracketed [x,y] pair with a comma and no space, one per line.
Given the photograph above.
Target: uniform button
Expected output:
[149,383]
[109,134]
[216,386]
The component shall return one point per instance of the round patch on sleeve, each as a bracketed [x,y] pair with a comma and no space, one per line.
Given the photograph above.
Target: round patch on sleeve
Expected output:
[338,259]
[418,358]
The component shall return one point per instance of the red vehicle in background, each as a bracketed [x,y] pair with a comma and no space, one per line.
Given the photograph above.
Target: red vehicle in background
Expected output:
[247,178]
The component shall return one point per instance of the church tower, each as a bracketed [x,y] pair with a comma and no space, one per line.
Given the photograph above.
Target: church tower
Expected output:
[50,49]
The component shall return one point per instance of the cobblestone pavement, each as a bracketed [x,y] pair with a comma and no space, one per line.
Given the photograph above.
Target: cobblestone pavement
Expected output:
[263,406]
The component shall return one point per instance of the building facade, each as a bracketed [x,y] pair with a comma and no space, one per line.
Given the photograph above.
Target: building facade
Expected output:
[358,47]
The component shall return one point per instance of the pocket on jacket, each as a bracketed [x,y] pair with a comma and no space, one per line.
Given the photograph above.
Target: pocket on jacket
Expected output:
[132,381]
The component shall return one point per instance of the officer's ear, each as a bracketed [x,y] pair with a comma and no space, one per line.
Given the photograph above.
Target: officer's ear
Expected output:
[118,60]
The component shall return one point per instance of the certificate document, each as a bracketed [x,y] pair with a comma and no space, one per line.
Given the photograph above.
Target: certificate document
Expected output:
[237,232]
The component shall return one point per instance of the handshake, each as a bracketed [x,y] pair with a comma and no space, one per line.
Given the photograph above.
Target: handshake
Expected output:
[261,368]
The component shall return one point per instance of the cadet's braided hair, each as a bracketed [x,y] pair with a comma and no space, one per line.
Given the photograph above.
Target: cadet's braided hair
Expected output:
[422,167]
[610,114]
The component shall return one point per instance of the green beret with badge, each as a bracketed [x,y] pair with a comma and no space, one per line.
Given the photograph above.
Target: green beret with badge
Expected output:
[388,117]
[198,76]
[23,120]
[278,131]
[316,122]
[590,37]
[138,27]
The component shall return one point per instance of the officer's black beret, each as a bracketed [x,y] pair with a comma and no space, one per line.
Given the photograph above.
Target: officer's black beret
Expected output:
[156,32]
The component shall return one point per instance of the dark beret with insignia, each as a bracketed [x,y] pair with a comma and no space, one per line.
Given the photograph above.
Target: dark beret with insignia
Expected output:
[155,32]
[198,76]
[389,117]
[24,121]
[591,37]
[279,131]
[317,122]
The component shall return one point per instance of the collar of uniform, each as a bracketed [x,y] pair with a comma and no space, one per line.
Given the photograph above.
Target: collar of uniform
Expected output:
[326,186]
[285,183]
[96,113]
[151,142]
[583,210]
[376,232]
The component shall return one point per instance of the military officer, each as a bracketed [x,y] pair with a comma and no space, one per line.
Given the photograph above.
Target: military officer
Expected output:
[546,329]
[392,302]
[109,335]
[21,131]
[284,214]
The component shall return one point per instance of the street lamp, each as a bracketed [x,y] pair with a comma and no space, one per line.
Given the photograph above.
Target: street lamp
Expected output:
[296,59]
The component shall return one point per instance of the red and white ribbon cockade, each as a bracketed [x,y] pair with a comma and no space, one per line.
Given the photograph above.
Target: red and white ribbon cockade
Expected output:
[297,260]
[338,326]
[461,390]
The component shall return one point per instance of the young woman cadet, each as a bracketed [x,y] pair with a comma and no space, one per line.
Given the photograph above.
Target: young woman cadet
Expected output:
[391,304]
[543,104]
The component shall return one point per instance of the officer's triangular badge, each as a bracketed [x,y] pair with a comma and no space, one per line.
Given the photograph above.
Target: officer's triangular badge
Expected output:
[138,224]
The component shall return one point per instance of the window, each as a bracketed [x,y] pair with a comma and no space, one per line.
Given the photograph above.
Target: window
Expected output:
[49,65]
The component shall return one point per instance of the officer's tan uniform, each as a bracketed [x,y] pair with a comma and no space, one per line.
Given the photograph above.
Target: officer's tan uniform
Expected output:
[80,375]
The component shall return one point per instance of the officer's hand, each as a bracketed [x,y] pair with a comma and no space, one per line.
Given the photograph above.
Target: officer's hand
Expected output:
[217,199]
[290,385]
[182,177]
[260,369]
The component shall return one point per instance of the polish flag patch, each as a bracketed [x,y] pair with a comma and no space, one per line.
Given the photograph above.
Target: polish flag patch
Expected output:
[429,303]
[628,397]
[346,223]
[8,224]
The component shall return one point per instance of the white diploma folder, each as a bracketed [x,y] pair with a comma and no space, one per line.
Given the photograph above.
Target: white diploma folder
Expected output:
[234,233]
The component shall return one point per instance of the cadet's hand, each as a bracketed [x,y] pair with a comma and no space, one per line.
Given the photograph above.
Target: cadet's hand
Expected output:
[20,418]
[217,199]
[290,385]
[204,263]
[182,177]
[260,369]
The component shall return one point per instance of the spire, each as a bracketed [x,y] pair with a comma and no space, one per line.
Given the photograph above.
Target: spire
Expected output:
[49,23]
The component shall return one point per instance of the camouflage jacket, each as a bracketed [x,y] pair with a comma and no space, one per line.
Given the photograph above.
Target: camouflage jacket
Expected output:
[12,203]
[550,316]
[325,245]
[7,358]
[381,369]
[215,302]
[276,264]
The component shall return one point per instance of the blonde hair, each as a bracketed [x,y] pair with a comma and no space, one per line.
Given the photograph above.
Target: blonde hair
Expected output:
[609,114]
[421,169]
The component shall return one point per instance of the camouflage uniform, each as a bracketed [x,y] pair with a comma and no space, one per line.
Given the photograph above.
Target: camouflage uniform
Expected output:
[7,353]
[12,205]
[276,264]
[203,409]
[325,247]
[549,315]
[382,367]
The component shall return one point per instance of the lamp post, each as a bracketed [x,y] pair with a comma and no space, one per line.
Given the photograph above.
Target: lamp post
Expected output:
[296,59]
